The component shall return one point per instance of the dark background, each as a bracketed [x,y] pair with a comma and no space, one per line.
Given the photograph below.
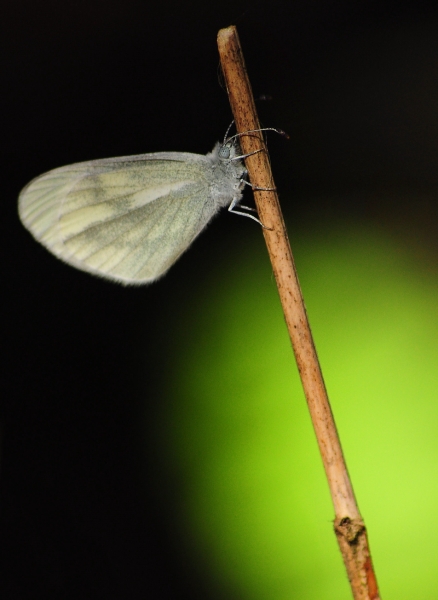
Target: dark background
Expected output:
[86,497]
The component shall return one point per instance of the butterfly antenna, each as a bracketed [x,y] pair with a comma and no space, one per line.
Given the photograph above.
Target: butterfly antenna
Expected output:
[279,131]
[226,138]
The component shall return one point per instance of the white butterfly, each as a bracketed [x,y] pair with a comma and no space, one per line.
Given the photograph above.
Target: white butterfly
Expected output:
[128,219]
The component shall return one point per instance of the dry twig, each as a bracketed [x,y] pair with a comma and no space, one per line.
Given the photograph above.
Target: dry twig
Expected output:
[348,524]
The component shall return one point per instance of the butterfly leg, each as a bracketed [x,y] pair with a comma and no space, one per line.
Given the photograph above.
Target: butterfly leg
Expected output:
[258,189]
[235,202]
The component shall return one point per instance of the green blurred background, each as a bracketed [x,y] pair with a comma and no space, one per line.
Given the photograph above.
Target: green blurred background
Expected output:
[255,505]
[156,441]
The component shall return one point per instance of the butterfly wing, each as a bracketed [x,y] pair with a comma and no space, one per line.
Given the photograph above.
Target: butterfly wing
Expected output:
[127,219]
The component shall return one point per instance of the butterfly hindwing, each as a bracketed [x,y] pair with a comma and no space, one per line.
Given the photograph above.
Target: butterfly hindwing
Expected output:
[127,219]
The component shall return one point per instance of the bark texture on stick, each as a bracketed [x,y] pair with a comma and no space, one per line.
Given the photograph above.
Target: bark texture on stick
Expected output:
[352,538]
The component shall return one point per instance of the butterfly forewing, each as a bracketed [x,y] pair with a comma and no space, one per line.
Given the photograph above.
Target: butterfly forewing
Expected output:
[127,219]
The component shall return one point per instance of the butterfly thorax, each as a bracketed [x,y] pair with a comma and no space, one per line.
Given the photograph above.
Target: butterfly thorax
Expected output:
[228,173]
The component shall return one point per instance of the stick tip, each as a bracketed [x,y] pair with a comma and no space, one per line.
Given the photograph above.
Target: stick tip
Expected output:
[226,33]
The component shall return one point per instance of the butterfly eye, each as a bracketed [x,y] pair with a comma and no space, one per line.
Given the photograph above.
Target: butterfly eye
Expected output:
[224,152]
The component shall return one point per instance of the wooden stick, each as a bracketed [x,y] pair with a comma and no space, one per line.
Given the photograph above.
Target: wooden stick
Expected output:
[348,524]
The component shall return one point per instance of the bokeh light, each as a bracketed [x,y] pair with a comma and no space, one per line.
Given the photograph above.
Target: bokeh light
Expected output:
[256,511]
